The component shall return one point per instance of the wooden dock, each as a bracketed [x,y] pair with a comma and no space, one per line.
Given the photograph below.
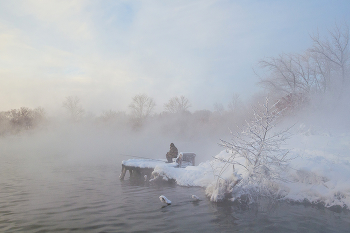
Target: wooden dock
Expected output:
[135,170]
[143,167]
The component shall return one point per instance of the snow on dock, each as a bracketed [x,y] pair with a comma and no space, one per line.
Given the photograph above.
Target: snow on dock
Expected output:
[145,167]
[147,163]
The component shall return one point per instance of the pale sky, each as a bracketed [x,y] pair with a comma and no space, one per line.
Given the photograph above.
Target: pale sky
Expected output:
[106,52]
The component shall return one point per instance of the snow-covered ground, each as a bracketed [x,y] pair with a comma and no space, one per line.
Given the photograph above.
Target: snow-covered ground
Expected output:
[319,173]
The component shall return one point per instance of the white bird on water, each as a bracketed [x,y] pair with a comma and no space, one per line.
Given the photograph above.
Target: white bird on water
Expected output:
[195,198]
[163,199]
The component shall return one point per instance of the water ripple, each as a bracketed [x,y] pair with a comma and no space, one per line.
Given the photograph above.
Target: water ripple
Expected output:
[67,198]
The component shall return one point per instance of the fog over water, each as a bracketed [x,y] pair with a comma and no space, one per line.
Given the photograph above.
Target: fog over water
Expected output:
[68,181]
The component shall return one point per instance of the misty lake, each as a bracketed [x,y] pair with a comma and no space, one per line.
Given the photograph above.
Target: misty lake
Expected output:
[48,193]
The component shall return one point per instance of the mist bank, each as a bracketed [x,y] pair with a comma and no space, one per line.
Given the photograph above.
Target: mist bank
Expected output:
[310,88]
[94,139]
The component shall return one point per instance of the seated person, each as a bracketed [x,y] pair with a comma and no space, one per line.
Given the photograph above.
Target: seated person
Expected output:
[172,153]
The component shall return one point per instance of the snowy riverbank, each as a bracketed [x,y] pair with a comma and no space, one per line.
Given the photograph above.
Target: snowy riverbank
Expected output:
[319,173]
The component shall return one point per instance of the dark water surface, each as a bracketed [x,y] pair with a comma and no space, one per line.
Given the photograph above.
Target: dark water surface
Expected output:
[49,193]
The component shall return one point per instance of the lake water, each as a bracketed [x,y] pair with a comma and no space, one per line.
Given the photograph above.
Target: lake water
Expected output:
[40,193]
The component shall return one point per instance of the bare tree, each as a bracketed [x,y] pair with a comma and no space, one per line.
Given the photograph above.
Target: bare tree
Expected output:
[260,146]
[235,103]
[141,107]
[334,50]
[290,74]
[177,105]
[257,150]
[321,69]
[26,117]
[73,107]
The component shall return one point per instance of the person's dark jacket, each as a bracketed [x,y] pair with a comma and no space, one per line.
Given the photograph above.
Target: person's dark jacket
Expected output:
[173,152]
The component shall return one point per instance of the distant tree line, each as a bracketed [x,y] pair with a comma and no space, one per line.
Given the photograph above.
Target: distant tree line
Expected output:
[17,120]
[176,116]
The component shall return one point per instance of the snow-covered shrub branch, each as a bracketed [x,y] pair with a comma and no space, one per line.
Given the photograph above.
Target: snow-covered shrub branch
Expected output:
[260,146]
[257,150]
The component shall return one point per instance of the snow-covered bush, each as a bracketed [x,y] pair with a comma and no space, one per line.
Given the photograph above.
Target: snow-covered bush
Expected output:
[225,179]
[257,151]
